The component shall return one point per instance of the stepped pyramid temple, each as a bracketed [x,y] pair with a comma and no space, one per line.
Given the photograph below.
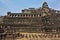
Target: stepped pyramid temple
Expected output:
[31,24]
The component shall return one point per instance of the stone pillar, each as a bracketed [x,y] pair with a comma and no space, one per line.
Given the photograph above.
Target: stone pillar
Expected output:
[38,15]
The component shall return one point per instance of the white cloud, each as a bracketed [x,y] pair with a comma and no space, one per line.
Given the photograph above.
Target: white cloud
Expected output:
[58,7]
[4,1]
[8,6]
[50,1]
[2,11]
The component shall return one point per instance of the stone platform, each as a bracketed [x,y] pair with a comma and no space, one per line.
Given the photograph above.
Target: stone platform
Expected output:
[33,36]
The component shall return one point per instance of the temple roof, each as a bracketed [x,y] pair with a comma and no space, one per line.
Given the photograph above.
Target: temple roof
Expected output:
[44,9]
[45,5]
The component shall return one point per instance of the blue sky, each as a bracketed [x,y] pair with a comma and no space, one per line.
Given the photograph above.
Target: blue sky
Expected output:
[18,5]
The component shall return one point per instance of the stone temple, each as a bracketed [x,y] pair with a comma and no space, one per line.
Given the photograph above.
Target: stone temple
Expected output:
[31,24]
